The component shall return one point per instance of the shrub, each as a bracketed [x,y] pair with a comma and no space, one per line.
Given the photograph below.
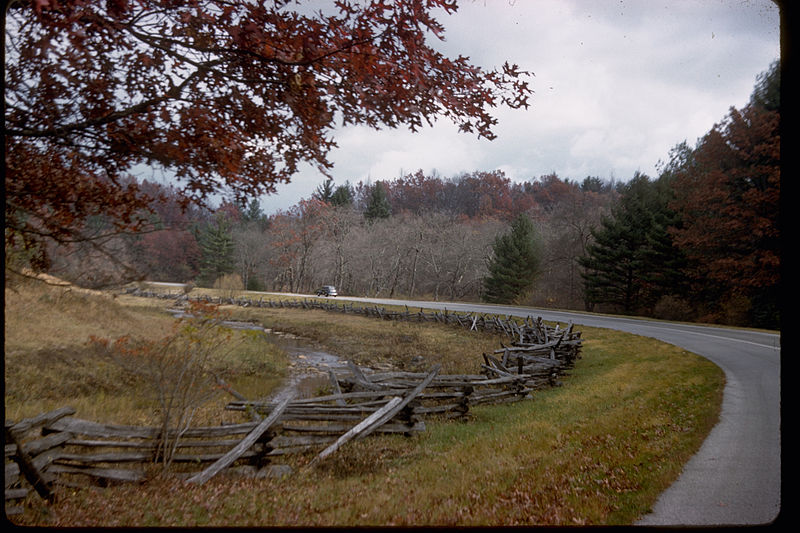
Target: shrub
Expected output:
[673,308]
[229,284]
[178,369]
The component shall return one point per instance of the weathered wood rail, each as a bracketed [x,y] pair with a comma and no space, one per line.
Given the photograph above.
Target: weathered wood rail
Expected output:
[57,448]
[530,331]
[67,447]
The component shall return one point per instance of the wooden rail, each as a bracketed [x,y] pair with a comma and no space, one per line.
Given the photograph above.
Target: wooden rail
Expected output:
[530,330]
[55,447]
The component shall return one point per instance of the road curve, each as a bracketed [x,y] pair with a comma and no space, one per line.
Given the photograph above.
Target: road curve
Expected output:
[735,477]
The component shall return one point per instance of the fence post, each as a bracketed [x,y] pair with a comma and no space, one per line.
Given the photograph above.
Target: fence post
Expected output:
[26,466]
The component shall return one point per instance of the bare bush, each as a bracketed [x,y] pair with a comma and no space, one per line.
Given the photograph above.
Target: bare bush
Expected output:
[229,284]
[178,370]
[673,308]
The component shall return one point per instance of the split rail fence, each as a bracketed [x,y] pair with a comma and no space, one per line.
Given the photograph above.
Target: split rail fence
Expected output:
[57,448]
[533,332]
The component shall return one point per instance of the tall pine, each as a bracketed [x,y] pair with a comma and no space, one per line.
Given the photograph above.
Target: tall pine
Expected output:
[216,245]
[342,195]
[378,205]
[632,261]
[324,191]
[253,214]
[514,263]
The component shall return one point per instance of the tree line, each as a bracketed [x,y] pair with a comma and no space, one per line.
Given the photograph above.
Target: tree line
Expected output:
[220,95]
[702,241]
[372,240]
[699,242]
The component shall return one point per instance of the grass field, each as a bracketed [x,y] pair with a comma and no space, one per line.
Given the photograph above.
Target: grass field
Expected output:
[596,451]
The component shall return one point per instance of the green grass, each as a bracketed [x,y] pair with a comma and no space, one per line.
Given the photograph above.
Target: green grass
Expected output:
[598,450]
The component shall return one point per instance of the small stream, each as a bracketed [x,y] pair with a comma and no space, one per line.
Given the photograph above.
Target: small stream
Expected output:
[308,366]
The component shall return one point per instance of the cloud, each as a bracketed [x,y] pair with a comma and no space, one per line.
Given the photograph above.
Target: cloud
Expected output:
[617,84]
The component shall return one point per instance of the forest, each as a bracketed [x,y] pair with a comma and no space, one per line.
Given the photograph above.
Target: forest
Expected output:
[228,98]
[698,242]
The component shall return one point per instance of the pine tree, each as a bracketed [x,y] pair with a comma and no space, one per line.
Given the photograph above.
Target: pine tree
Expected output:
[611,265]
[515,263]
[216,245]
[343,195]
[253,214]
[767,92]
[378,205]
[324,191]
[632,261]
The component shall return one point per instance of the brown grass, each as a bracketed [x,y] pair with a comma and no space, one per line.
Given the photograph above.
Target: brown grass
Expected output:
[365,341]
[598,450]
[50,360]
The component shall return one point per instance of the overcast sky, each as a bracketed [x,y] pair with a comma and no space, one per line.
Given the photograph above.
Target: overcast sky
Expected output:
[617,84]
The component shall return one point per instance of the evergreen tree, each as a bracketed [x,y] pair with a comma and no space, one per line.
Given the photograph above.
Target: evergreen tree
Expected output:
[515,263]
[378,204]
[632,261]
[593,184]
[343,195]
[324,191]
[767,92]
[216,246]
[253,214]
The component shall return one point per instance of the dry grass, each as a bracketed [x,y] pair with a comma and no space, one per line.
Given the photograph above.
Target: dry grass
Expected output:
[50,360]
[363,340]
[598,450]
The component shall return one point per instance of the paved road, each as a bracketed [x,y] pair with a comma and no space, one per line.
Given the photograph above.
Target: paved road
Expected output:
[735,478]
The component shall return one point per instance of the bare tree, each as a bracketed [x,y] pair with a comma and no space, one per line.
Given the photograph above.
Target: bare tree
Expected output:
[338,225]
[250,253]
[566,230]
[294,235]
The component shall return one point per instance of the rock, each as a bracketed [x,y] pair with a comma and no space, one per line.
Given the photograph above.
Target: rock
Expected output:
[275,471]
[240,471]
